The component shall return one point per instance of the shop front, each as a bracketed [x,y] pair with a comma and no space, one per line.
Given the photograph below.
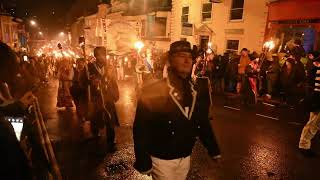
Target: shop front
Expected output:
[292,21]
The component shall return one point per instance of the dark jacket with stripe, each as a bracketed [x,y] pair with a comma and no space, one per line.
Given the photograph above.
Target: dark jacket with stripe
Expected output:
[313,100]
[163,128]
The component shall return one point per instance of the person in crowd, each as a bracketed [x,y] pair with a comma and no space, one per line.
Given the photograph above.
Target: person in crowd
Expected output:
[311,56]
[78,91]
[140,67]
[313,99]
[65,75]
[14,162]
[272,77]
[249,87]
[158,67]
[244,62]
[269,75]
[219,68]
[301,75]
[232,72]
[197,68]
[298,50]
[147,75]
[263,74]
[120,69]
[195,53]
[168,119]
[104,94]
[289,81]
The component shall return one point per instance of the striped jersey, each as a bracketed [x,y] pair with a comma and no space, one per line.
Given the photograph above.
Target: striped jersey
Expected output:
[317,80]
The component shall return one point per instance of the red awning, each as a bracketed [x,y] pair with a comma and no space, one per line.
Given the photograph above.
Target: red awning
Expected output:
[294,10]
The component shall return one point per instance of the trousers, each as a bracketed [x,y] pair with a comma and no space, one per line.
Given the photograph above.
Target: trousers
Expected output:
[176,169]
[310,130]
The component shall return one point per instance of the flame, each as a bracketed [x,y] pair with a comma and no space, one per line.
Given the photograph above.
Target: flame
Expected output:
[269,45]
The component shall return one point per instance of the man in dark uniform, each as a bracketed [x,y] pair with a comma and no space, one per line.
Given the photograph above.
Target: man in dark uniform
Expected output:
[168,120]
[104,94]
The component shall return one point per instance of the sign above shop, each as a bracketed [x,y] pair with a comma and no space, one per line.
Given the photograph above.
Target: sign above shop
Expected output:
[299,21]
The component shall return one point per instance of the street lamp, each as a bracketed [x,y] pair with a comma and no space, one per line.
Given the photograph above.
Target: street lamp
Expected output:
[33,23]
[40,33]
[61,34]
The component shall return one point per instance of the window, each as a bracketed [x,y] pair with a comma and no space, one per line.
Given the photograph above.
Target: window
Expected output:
[185,15]
[160,26]
[236,12]
[232,45]
[183,39]
[157,26]
[206,11]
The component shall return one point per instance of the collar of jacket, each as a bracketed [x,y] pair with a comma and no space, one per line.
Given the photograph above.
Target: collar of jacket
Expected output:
[173,94]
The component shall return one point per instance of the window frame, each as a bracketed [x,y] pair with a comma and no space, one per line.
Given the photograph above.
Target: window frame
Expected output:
[183,15]
[235,9]
[206,12]
[232,50]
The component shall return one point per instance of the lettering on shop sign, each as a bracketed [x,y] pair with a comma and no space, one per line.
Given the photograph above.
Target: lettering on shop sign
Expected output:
[300,21]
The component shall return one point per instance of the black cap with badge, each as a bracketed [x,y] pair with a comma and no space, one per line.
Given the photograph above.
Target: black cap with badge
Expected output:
[179,46]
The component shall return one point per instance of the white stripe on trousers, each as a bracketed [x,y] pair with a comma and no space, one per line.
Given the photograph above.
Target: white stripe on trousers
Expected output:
[310,130]
[176,169]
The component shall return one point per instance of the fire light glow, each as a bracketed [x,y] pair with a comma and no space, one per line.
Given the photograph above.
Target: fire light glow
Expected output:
[269,45]
[139,45]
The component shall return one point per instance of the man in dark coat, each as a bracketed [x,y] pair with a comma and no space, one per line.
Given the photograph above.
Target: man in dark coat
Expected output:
[104,94]
[79,93]
[168,120]
[313,125]
[231,74]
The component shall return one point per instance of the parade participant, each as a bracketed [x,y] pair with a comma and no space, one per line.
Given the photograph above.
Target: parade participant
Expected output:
[65,75]
[104,94]
[168,119]
[147,75]
[249,88]
[79,92]
[244,62]
[313,125]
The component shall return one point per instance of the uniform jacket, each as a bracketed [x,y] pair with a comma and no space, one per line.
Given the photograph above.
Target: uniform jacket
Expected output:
[109,88]
[164,129]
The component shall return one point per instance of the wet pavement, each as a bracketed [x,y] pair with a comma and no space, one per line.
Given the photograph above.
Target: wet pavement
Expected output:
[256,143]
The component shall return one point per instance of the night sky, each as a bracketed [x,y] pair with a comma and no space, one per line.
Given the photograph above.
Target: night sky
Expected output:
[52,16]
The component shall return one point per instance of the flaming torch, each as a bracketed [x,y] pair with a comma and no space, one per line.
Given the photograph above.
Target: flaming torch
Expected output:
[139,45]
[268,46]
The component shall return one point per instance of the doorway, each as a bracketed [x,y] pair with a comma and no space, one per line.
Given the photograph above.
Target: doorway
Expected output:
[204,42]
